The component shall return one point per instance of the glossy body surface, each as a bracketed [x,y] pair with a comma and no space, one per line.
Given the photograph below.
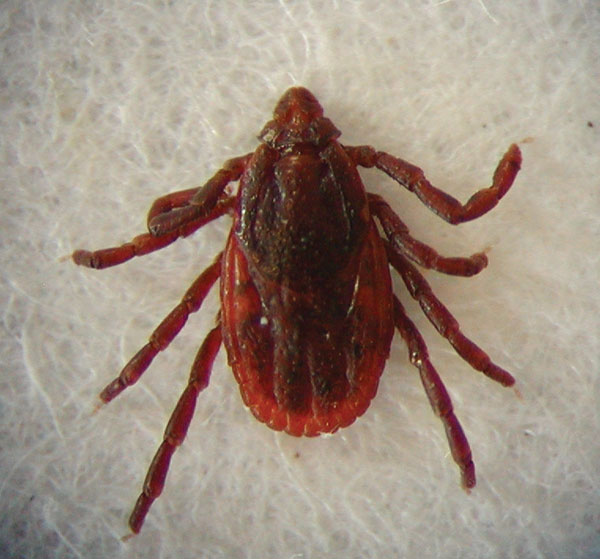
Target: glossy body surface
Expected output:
[307,309]
[305,289]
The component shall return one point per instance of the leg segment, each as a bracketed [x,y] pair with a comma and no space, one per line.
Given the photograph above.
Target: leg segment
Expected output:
[420,253]
[437,394]
[165,332]
[201,203]
[439,202]
[146,243]
[176,428]
[445,323]
[170,201]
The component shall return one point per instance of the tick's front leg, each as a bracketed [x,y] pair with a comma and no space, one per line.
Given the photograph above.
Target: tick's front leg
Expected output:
[161,221]
[147,243]
[444,205]
[170,201]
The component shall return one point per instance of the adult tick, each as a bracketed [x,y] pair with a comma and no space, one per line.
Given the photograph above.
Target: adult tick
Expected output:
[307,310]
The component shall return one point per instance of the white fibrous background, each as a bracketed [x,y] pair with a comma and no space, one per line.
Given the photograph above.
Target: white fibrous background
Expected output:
[104,106]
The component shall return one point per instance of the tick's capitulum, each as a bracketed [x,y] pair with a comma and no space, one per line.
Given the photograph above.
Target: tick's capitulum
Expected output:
[307,309]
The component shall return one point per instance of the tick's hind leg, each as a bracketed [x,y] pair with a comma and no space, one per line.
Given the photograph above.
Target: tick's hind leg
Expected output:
[165,332]
[176,428]
[445,323]
[437,394]
[400,241]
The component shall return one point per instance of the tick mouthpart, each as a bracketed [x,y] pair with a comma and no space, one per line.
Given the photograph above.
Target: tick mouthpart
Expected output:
[298,119]
[297,106]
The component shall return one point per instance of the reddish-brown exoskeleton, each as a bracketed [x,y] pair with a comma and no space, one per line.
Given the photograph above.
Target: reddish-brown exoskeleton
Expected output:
[307,309]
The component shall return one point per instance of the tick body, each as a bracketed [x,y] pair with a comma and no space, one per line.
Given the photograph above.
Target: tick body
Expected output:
[307,309]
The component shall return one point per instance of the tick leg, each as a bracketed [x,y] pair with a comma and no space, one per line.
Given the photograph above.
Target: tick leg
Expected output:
[165,332]
[146,243]
[401,242]
[171,201]
[176,428]
[445,323]
[437,394]
[443,204]
[201,203]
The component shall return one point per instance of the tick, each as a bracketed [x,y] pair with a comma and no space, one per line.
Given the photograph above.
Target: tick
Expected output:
[307,310]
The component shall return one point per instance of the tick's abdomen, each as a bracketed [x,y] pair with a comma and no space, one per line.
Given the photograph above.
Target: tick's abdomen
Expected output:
[306,291]
[308,362]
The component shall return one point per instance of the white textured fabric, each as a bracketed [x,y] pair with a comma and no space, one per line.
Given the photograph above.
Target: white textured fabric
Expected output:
[107,105]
